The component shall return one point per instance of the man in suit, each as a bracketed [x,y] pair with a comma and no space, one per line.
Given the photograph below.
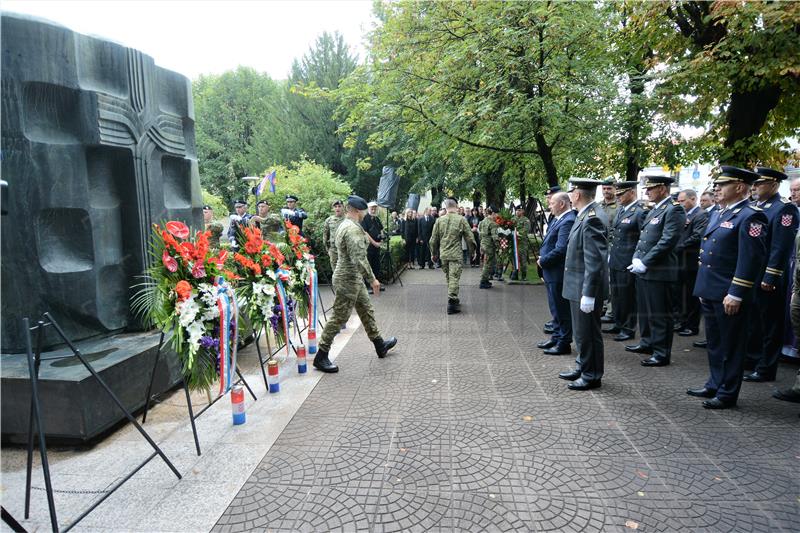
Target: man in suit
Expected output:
[656,266]
[688,249]
[549,327]
[424,229]
[625,228]
[551,260]
[732,257]
[586,283]
[772,282]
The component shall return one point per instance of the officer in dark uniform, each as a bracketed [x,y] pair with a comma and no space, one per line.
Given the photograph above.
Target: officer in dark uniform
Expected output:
[239,221]
[292,213]
[625,230]
[656,266]
[586,284]
[733,250]
[771,285]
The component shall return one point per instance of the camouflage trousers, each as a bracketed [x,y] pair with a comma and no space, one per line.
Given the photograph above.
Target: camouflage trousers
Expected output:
[523,263]
[452,273]
[349,295]
[489,264]
[333,255]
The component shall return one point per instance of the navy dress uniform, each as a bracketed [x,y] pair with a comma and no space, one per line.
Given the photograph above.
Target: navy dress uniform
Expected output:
[731,258]
[782,221]
[586,287]
[625,231]
[552,255]
[655,264]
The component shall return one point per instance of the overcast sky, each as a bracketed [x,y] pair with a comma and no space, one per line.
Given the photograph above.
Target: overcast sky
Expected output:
[200,37]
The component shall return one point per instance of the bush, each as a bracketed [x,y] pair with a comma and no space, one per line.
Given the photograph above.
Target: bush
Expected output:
[397,248]
[217,205]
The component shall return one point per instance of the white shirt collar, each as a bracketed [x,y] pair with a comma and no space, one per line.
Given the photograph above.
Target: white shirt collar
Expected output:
[692,210]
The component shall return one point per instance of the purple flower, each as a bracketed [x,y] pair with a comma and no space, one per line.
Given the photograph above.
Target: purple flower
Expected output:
[207,341]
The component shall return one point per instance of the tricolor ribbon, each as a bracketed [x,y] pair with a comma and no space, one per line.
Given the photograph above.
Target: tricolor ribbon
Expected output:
[228,343]
[283,275]
[516,251]
[313,291]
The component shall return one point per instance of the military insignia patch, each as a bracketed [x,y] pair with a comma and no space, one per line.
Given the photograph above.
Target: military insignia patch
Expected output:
[786,220]
[727,225]
[755,229]
[626,221]
[654,221]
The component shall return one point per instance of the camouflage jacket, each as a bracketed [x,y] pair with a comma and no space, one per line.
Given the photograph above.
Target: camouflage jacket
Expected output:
[329,230]
[487,229]
[523,229]
[351,247]
[446,237]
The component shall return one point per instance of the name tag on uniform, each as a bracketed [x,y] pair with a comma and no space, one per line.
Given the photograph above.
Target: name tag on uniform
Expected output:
[626,221]
[654,221]
[726,225]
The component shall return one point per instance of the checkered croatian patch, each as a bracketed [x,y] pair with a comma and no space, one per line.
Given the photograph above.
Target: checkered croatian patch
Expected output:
[786,220]
[755,229]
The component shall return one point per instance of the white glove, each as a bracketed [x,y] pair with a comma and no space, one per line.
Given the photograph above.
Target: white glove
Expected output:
[587,304]
[637,267]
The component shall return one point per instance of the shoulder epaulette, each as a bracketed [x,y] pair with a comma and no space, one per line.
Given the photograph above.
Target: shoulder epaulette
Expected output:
[591,213]
[675,202]
[786,200]
[754,207]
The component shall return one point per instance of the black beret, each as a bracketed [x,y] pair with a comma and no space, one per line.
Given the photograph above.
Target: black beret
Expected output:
[291,198]
[584,183]
[258,203]
[336,202]
[240,202]
[770,174]
[655,181]
[357,202]
[207,207]
[729,174]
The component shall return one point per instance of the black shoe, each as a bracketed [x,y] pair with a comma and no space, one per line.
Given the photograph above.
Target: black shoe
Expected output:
[370,291]
[757,377]
[383,288]
[582,384]
[513,276]
[570,375]
[383,346]
[787,395]
[558,350]
[686,332]
[323,364]
[622,337]
[485,285]
[548,329]
[700,344]
[612,329]
[654,361]
[452,307]
[607,319]
[701,393]
[677,327]
[716,403]
[549,325]
[638,348]
[546,344]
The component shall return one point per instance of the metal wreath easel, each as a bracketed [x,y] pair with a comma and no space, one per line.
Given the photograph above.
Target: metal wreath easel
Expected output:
[35,420]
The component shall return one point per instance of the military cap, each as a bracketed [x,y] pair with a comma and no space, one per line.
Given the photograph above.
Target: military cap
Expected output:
[490,209]
[291,198]
[729,174]
[206,207]
[554,189]
[372,204]
[655,181]
[258,203]
[625,186]
[336,202]
[239,202]
[587,184]
[357,202]
[770,174]
[610,181]
[520,206]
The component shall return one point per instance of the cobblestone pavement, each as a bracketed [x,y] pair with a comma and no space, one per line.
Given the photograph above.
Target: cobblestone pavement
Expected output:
[465,427]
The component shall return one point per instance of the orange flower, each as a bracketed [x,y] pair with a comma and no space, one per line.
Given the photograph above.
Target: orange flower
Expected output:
[266,260]
[230,276]
[183,289]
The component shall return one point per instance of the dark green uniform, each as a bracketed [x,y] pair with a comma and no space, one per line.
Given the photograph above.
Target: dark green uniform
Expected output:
[329,228]
[523,244]
[487,229]
[445,244]
[352,268]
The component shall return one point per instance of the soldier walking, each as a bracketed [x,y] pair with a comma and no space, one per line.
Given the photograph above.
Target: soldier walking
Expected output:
[734,248]
[523,226]
[445,246]
[487,230]
[329,228]
[656,266]
[352,268]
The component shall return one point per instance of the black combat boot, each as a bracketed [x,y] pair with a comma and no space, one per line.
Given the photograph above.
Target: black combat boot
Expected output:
[514,275]
[323,364]
[382,347]
[452,306]
[485,285]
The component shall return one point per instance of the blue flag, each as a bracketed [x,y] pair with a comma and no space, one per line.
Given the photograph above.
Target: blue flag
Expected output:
[263,184]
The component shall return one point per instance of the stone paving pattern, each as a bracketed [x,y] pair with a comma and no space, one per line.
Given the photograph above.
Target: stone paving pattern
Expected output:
[465,427]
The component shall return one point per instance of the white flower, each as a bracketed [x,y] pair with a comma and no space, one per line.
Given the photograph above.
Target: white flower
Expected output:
[270,274]
[188,310]
[195,331]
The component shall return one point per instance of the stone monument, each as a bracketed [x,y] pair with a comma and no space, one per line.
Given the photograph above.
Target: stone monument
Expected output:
[97,145]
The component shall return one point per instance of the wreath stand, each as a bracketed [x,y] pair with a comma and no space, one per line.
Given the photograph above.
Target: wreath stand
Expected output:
[192,416]
[35,420]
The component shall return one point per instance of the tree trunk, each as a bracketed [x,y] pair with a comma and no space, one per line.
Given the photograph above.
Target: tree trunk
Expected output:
[495,190]
[476,198]
[746,115]
[436,196]
[546,155]
[633,140]
[523,189]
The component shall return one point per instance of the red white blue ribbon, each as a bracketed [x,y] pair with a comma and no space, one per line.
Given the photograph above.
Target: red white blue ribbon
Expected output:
[313,291]
[228,334]
[283,275]
[516,251]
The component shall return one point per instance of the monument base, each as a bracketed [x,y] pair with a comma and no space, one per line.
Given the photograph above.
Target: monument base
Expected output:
[75,408]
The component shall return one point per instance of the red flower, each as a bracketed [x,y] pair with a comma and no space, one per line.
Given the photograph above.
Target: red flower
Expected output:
[184,289]
[198,270]
[178,229]
[169,262]
[266,260]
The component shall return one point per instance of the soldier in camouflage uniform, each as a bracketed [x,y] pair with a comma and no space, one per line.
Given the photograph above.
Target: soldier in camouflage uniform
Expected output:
[487,229]
[523,229]
[329,228]
[271,224]
[215,228]
[352,268]
[446,249]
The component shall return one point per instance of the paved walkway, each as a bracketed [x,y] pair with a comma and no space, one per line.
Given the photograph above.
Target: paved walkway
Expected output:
[466,427]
